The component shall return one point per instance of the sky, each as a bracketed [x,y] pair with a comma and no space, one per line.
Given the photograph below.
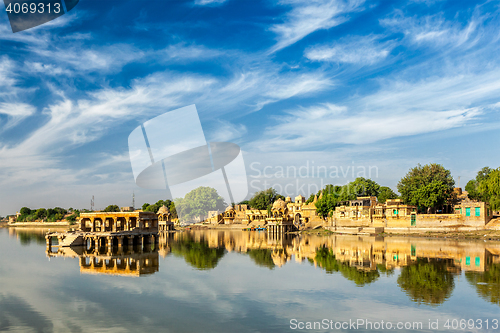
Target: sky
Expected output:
[373,87]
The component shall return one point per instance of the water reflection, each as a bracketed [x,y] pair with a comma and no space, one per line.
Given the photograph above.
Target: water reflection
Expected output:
[428,281]
[487,283]
[130,261]
[425,270]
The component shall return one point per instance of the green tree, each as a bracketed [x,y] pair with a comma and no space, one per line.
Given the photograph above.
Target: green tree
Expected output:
[428,186]
[486,187]
[386,193]
[490,189]
[25,211]
[264,199]
[198,202]
[144,206]
[427,281]
[329,199]
[112,208]
[40,213]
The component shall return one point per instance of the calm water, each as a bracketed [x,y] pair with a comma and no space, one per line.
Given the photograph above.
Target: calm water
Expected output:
[244,282]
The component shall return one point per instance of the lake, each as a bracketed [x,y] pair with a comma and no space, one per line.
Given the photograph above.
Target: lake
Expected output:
[244,281]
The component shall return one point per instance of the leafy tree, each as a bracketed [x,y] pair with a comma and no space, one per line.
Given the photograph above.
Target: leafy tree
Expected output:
[365,187]
[173,211]
[25,211]
[328,201]
[386,193]
[428,186]
[264,199]
[486,187]
[490,189]
[112,208]
[40,213]
[244,202]
[427,282]
[155,207]
[198,202]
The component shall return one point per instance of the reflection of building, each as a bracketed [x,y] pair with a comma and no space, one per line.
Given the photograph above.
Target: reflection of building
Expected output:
[364,253]
[131,261]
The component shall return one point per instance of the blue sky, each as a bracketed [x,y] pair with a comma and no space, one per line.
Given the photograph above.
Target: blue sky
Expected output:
[339,84]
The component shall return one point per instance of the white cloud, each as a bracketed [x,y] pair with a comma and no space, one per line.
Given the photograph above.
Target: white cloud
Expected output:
[400,108]
[102,58]
[181,52]
[16,112]
[435,30]
[225,131]
[306,129]
[208,2]
[364,50]
[306,17]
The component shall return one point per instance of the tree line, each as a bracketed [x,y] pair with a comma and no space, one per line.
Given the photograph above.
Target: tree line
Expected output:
[428,187]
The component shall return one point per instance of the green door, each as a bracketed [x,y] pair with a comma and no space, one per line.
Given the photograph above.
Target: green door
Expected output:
[478,211]
[467,211]
[413,219]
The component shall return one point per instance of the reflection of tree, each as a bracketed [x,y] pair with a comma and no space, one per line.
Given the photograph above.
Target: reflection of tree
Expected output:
[427,281]
[489,283]
[197,254]
[262,257]
[382,269]
[26,238]
[326,260]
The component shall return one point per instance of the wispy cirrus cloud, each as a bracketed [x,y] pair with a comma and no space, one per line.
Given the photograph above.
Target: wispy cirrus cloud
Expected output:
[436,30]
[209,2]
[305,17]
[16,112]
[362,50]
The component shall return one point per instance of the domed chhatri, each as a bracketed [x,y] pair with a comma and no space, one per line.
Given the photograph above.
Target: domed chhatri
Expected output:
[279,204]
[163,210]
[229,208]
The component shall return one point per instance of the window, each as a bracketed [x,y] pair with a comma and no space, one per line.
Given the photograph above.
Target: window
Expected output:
[467,211]
[395,212]
[478,211]
[467,261]
[478,262]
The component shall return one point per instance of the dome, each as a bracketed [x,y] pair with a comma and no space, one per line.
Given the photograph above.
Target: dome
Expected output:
[163,210]
[229,208]
[278,204]
[288,199]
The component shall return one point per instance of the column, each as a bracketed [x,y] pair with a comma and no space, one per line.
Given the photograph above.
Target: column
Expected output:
[131,242]
[92,224]
[113,228]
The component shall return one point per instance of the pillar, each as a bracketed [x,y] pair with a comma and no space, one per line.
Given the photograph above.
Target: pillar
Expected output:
[92,224]
[115,220]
